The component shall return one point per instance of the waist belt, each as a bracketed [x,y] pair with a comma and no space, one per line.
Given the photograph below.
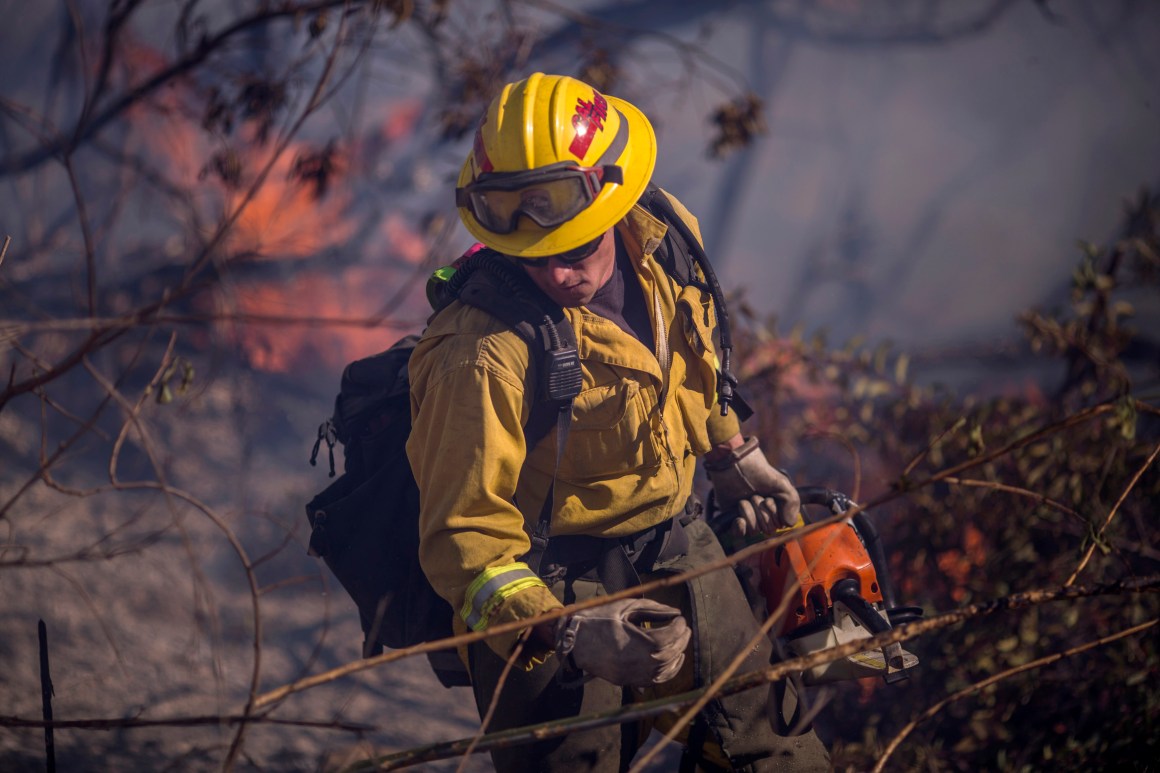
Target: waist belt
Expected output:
[618,562]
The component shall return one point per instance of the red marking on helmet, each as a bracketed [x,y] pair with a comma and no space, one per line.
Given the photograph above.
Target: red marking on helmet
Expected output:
[482,162]
[588,119]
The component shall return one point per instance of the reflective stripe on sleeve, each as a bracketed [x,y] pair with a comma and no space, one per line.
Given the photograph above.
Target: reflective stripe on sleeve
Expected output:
[491,587]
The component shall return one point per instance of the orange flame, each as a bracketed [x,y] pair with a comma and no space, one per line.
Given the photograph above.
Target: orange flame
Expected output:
[958,564]
[294,348]
[284,219]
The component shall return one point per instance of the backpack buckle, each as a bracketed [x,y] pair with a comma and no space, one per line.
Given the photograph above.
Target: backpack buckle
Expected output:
[319,544]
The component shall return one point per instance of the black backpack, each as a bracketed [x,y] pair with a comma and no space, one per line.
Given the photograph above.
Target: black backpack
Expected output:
[365,524]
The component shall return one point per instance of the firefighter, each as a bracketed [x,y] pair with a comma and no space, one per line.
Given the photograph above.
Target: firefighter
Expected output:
[553,183]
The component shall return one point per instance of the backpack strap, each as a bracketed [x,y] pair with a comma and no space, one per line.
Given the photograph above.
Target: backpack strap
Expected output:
[491,283]
[678,256]
[673,252]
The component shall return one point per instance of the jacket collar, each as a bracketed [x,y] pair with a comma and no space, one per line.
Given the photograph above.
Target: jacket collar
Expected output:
[641,232]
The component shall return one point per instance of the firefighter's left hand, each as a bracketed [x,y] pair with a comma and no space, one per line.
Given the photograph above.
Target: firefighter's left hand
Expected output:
[764,497]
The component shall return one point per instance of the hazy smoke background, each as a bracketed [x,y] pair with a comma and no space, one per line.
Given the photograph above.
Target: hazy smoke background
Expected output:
[926,173]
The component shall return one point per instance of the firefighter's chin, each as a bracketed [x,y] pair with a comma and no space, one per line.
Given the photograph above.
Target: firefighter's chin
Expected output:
[573,296]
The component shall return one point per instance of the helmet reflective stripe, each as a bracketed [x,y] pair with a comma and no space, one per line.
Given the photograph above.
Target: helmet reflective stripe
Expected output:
[491,587]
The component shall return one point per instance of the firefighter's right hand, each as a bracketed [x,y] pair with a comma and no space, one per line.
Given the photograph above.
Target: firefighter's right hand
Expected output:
[633,642]
[762,496]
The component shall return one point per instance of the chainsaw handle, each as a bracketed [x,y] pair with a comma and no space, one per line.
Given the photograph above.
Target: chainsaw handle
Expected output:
[835,501]
[831,499]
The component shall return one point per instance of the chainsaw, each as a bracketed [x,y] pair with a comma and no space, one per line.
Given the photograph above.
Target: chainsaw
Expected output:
[834,586]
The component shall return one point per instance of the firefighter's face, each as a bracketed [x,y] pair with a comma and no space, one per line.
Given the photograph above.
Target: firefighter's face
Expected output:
[572,280]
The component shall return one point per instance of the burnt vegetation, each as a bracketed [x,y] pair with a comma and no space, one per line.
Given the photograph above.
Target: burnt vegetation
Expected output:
[210,209]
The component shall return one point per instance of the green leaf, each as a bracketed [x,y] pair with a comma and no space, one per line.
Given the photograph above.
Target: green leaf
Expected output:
[900,367]
[1007,645]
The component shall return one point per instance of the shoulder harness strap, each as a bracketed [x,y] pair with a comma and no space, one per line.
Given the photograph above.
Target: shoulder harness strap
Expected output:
[680,256]
[491,283]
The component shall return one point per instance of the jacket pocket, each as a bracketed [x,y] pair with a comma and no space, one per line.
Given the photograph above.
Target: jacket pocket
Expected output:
[697,395]
[696,320]
[611,432]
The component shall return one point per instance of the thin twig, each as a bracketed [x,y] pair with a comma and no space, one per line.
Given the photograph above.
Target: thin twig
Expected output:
[119,723]
[46,693]
[367,663]
[977,686]
[1085,415]
[170,493]
[86,234]
[714,688]
[1039,498]
[930,447]
[470,637]
[636,711]
[855,490]
[4,249]
[1112,514]
[494,704]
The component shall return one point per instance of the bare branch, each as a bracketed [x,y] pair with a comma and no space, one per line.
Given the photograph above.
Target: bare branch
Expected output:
[494,704]
[64,145]
[714,689]
[732,560]
[205,721]
[996,678]
[636,711]
[1112,514]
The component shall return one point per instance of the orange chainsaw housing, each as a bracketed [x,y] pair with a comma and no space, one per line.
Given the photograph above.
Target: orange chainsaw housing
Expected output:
[817,561]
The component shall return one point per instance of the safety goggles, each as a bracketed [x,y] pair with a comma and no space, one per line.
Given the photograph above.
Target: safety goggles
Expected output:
[548,196]
[569,258]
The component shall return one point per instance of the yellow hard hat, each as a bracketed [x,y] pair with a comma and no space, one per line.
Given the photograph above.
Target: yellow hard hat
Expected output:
[555,164]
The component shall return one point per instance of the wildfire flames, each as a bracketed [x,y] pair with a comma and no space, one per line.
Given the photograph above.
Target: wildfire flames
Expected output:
[290,214]
[342,294]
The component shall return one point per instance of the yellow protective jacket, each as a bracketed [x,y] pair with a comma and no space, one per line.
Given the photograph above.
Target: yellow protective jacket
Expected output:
[637,428]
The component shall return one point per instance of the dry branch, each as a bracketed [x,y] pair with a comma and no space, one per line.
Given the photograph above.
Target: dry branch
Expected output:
[1112,514]
[995,678]
[210,720]
[714,688]
[280,693]
[546,730]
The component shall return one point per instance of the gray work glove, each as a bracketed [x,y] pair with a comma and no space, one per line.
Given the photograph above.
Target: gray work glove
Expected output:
[764,498]
[634,642]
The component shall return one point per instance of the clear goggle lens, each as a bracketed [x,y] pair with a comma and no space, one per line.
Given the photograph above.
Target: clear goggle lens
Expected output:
[549,196]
